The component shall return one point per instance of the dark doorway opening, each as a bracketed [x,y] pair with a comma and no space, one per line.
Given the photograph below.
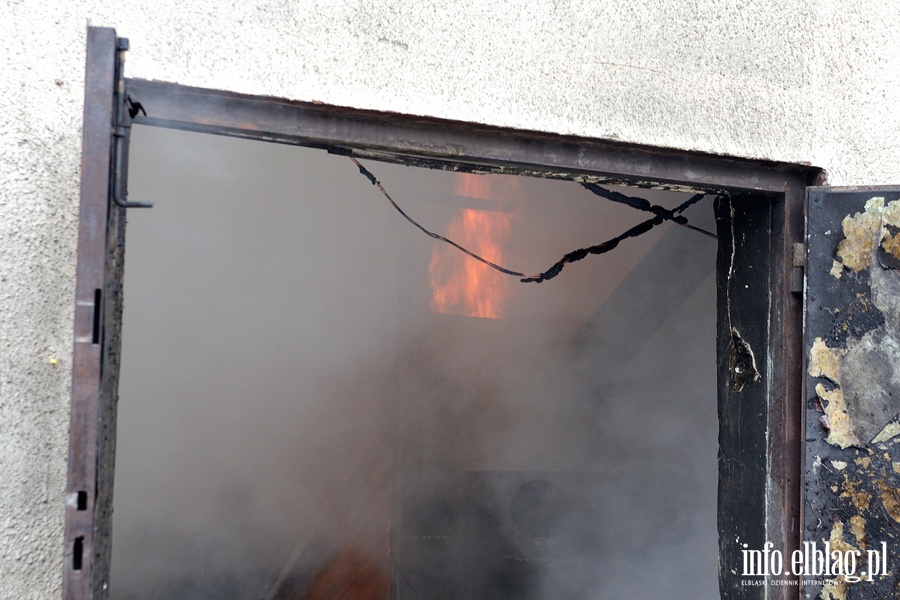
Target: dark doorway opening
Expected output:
[317,399]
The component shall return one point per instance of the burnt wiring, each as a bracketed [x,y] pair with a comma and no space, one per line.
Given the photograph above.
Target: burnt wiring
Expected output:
[660,216]
[644,205]
[376,183]
[610,244]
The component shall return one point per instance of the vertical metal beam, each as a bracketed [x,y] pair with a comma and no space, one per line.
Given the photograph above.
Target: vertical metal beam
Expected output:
[784,443]
[744,380]
[81,492]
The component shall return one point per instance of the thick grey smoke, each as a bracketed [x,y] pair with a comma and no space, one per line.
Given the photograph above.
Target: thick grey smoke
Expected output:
[292,409]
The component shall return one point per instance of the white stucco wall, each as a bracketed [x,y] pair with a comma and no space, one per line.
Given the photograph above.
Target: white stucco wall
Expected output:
[789,80]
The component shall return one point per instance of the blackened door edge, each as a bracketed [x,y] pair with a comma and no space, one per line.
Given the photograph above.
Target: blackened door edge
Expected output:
[852,397]
[97,324]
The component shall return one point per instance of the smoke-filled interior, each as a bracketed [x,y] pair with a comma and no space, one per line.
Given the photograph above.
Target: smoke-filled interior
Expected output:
[319,401]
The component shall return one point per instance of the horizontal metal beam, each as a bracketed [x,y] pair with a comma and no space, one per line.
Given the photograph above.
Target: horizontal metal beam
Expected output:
[442,143]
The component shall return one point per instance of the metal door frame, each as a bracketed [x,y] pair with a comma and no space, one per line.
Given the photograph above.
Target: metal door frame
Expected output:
[759,490]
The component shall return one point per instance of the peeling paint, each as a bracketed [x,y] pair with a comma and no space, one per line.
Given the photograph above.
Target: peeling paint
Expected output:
[835,590]
[825,362]
[859,497]
[839,426]
[891,245]
[817,464]
[854,368]
[863,461]
[863,233]
[886,298]
[858,529]
[856,249]
[856,319]
[891,215]
[836,269]
[873,362]
[891,430]
[890,499]
[863,409]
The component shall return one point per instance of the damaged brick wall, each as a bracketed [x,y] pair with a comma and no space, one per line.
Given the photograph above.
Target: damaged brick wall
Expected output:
[852,495]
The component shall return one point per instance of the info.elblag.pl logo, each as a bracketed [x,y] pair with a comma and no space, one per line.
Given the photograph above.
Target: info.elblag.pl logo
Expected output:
[811,561]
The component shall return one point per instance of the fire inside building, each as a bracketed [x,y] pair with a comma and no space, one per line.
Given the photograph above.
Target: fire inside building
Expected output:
[319,401]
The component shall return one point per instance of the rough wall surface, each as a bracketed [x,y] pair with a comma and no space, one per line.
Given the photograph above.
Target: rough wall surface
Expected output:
[787,80]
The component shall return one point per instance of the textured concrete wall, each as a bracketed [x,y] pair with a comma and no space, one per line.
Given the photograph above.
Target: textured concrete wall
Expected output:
[788,80]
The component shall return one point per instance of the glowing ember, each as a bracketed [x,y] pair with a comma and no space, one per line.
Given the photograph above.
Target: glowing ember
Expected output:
[461,285]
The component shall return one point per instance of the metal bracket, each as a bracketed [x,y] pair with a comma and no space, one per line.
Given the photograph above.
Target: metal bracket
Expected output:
[122,133]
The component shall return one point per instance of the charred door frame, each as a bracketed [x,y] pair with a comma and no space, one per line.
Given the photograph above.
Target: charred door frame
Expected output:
[760,219]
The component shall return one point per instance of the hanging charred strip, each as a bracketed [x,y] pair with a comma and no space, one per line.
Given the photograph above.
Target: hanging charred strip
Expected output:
[368,175]
[639,229]
[644,205]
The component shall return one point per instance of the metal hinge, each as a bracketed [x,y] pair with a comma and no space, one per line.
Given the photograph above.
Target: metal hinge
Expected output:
[122,133]
[798,264]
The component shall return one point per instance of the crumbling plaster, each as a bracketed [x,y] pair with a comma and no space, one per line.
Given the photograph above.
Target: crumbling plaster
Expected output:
[789,80]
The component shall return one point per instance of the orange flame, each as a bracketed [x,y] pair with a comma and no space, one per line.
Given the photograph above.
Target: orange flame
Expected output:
[461,285]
